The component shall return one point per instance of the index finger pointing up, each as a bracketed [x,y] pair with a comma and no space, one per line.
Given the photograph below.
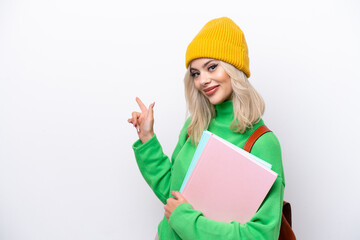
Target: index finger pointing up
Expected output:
[141,105]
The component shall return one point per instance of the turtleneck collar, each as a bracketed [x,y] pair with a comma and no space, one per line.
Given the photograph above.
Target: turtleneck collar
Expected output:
[224,112]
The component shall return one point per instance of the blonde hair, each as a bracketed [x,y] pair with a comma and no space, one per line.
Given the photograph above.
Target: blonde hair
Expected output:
[248,105]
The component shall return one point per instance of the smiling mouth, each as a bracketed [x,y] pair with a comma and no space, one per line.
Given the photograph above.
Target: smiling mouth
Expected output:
[211,90]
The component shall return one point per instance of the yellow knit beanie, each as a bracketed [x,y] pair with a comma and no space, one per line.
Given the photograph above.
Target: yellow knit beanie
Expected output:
[220,39]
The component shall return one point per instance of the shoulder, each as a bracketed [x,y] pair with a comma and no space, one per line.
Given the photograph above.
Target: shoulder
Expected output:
[183,132]
[185,126]
[187,122]
[267,147]
[267,142]
[183,136]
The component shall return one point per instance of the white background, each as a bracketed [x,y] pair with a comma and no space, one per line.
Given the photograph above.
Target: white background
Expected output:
[69,74]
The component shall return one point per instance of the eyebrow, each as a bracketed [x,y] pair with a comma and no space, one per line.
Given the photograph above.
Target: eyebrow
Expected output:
[191,69]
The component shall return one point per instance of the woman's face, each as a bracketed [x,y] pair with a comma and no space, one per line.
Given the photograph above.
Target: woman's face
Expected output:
[211,79]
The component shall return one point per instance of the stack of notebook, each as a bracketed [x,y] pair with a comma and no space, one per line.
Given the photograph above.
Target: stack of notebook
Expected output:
[225,182]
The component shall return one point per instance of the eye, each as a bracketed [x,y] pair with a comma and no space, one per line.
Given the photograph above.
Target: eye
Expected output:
[212,67]
[195,74]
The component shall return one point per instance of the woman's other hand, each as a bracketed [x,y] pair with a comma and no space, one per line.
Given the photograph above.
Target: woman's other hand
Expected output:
[172,203]
[144,121]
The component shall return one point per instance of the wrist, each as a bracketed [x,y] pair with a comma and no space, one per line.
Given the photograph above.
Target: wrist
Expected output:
[146,138]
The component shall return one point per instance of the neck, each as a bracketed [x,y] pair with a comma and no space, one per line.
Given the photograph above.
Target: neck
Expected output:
[225,112]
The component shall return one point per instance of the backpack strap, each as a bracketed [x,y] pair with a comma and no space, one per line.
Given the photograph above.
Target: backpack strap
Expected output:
[255,136]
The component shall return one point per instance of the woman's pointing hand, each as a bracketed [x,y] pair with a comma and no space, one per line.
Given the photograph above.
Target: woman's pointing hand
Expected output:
[143,121]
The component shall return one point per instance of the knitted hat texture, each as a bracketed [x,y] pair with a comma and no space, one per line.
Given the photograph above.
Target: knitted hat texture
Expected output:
[220,39]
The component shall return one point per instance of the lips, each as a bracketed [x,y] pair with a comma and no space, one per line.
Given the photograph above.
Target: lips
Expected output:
[211,90]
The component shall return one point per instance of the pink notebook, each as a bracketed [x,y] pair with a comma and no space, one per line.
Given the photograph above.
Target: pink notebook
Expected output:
[227,184]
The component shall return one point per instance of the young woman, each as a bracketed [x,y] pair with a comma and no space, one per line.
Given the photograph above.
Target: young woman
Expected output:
[220,99]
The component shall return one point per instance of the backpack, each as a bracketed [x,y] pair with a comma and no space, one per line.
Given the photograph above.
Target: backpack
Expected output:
[286,232]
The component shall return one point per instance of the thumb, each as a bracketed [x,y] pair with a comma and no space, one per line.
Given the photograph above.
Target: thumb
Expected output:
[177,195]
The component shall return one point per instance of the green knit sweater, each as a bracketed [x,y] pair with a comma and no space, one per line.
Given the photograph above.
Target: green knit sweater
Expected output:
[186,223]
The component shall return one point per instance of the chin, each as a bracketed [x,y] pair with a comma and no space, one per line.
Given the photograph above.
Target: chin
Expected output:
[215,101]
[219,97]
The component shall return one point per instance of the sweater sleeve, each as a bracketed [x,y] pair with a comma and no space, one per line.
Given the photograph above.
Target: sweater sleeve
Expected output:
[155,166]
[265,224]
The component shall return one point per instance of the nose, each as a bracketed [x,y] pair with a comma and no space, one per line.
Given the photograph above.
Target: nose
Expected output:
[204,79]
